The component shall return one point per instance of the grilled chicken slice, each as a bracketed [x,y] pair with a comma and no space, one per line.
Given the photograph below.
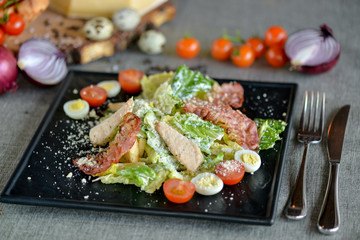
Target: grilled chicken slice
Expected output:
[106,130]
[122,143]
[185,151]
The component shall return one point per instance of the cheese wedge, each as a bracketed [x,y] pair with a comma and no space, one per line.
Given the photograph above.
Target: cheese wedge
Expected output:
[105,8]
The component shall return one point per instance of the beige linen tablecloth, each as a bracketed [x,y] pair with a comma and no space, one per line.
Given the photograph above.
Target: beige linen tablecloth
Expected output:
[22,112]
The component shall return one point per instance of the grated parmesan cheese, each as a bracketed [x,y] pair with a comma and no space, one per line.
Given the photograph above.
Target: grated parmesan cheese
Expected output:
[69,175]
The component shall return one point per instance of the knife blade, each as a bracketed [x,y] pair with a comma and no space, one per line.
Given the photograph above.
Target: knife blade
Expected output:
[336,134]
[329,217]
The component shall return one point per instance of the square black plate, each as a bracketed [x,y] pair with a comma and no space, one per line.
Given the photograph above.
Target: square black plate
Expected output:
[40,178]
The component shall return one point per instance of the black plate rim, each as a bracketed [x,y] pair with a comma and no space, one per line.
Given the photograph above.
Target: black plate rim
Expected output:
[268,220]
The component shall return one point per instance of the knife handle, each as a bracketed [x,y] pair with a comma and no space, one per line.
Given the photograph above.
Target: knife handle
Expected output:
[329,218]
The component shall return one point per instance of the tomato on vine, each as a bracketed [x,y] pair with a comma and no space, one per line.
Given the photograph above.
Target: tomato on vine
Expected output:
[188,47]
[243,56]
[221,49]
[276,57]
[275,36]
[257,45]
[14,25]
[2,2]
[2,37]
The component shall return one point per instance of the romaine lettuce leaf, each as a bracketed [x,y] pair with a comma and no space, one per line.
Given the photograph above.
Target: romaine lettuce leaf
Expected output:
[155,148]
[148,178]
[202,132]
[165,100]
[226,146]
[187,83]
[210,163]
[151,83]
[269,131]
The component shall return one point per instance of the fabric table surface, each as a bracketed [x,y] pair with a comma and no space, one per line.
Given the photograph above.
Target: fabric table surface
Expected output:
[21,113]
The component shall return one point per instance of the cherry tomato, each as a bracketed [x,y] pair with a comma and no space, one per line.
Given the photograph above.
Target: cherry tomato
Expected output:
[257,45]
[130,80]
[2,2]
[221,49]
[94,95]
[275,36]
[188,47]
[243,56]
[15,24]
[2,37]
[231,172]
[178,191]
[276,57]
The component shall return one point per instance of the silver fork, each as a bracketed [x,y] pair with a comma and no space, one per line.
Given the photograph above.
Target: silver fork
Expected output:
[309,132]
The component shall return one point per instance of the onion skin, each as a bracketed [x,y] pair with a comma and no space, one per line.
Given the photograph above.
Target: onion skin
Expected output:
[42,63]
[313,51]
[8,71]
[320,68]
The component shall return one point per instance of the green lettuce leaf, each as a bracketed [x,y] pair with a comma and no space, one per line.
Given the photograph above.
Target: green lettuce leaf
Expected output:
[156,149]
[202,132]
[165,101]
[151,83]
[210,162]
[225,146]
[149,179]
[187,83]
[269,131]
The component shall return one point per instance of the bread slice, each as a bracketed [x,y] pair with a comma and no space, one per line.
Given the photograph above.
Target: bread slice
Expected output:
[66,33]
[28,9]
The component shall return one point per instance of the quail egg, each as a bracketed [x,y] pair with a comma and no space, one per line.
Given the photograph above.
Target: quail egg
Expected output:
[126,19]
[112,87]
[98,28]
[76,109]
[250,159]
[152,42]
[207,184]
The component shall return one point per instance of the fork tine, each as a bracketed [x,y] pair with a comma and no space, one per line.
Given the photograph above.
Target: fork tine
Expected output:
[314,127]
[311,112]
[303,114]
[321,123]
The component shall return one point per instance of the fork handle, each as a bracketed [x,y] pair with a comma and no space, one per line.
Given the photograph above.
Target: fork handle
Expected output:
[329,218]
[296,207]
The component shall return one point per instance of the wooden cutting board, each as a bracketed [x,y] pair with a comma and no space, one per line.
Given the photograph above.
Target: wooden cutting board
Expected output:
[67,35]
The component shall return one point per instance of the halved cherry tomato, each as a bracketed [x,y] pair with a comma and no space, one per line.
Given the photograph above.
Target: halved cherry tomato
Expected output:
[276,57]
[257,45]
[231,172]
[94,95]
[15,24]
[2,37]
[130,80]
[221,49]
[275,36]
[243,56]
[188,47]
[178,191]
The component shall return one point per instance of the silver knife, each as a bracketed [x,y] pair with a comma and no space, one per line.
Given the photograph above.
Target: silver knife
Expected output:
[329,218]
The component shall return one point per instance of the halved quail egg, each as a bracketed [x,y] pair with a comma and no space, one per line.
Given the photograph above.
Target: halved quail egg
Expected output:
[250,159]
[76,109]
[207,184]
[112,87]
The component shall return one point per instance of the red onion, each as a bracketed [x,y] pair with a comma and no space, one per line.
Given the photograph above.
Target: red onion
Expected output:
[8,70]
[313,51]
[42,61]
